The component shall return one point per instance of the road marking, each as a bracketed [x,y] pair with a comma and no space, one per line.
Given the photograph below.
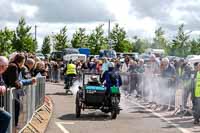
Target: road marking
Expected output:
[63,129]
[163,118]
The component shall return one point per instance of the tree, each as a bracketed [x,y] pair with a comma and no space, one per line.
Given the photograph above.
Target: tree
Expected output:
[195,46]
[118,36]
[159,41]
[80,39]
[23,40]
[140,45]
[46,47]
[6,37]
[60,40]
[96,40]
[127,46]
[180,46]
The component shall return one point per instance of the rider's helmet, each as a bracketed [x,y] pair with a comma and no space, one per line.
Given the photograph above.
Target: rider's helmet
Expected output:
[111,65]
[93,78]
[70,62]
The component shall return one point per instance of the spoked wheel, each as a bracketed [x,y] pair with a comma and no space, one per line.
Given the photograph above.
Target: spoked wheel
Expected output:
[115,108]
[114,113]
[69,92]
[78,107]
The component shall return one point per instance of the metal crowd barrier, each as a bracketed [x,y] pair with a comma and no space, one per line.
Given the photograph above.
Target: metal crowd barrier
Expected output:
[158,90]
[31,98]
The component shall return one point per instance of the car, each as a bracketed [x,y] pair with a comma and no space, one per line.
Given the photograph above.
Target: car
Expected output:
[145,57]
[135,55]
[194,60]
[92,95]
[67,51]
[75,57]
[57,56]
[40,56]
[47,56]
[94,56]
[192,56]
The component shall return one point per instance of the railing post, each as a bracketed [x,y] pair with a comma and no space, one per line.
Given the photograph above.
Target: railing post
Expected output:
[11,109]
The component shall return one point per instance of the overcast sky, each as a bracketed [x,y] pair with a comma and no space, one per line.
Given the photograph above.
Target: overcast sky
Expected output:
[138,17]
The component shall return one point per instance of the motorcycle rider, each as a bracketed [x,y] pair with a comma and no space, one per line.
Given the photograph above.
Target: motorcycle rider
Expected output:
[70,72]
[111,78]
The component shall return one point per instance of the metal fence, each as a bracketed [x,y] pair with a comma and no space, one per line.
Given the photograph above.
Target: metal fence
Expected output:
[159,91]
[30,99]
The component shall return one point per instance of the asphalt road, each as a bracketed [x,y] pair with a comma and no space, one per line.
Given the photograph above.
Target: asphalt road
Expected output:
[132,119]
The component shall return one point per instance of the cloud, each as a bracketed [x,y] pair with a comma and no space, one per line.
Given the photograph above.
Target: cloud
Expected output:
[137,17]
[157,9]
[24,10]
[70,10]
[169,13]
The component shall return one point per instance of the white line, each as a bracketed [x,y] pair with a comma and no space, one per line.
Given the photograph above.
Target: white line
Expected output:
[67,123]
[163,118]
[59,124]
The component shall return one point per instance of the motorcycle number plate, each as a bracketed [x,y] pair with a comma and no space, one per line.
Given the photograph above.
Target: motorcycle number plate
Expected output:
[91,91]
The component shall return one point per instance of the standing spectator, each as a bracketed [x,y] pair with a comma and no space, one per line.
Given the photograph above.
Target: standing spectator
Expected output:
[55,72]
[140,70]
[61,66]
[154,64]
[99,66]
[40,69]
[49,71]
[4,116]
[84,66]
[27,71]
[117,65]
[92,65]
[169,73]
[125,66]
[133,76]
[78,68]
[186,77]
[105,65]
[13,78]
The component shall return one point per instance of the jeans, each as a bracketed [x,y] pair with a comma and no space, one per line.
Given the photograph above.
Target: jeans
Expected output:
[196,108]
[186,93]
[4,121]
[17,111]
[133,83]
[55,75]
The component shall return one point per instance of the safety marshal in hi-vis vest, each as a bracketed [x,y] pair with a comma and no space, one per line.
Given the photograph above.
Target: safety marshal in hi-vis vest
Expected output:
[197,86]
[71,69]
[196,100]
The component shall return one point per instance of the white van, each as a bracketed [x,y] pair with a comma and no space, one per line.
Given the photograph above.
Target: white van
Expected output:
[75,57]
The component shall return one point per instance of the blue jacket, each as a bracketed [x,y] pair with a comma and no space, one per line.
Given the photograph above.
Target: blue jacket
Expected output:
[24,82]
[112,78]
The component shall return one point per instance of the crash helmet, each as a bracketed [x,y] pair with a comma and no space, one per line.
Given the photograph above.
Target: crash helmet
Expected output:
[93,78]
[70,61]
[111,65]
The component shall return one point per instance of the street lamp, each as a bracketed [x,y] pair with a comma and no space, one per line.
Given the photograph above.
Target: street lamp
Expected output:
[52,40]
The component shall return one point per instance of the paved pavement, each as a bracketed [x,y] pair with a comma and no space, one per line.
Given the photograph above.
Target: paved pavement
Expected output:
[133,117]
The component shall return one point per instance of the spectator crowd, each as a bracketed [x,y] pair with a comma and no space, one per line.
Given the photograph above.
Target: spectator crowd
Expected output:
[155,80]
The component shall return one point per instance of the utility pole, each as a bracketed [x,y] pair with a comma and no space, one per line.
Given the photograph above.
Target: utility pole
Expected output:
[108,28]
[36,36]
[109,39]
[36,33]
[52,42]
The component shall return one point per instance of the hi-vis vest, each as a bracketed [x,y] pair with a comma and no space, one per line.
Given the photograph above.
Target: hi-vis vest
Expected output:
[71,69]
[197,86]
